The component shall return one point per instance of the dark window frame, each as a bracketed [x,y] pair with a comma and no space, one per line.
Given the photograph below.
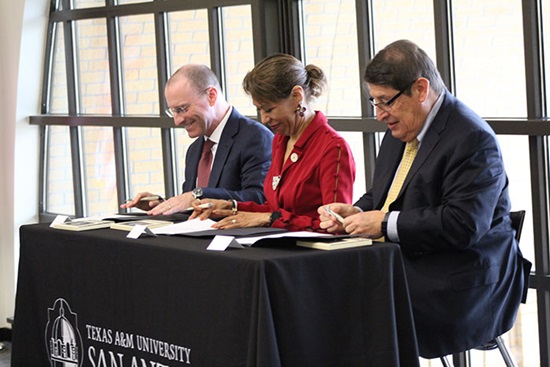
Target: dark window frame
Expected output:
[271,37]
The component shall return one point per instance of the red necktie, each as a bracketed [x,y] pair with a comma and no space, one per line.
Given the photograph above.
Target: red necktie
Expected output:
[205,163]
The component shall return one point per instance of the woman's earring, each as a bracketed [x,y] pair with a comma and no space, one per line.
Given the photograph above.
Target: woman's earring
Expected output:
[300,109]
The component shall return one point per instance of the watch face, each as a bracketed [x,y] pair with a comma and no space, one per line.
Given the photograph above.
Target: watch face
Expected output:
[197,192]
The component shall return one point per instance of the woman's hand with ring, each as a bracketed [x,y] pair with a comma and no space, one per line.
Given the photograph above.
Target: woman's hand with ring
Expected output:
[243,220]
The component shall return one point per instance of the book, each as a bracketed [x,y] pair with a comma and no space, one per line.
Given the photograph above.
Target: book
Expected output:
[337,243]
[82,224]
[149,223]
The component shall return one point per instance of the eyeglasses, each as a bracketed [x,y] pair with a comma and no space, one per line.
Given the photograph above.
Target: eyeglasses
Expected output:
[180,110]
[173,111]
[387,106]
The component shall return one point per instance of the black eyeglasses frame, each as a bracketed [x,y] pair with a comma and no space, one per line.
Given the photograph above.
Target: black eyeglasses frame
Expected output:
[386,106]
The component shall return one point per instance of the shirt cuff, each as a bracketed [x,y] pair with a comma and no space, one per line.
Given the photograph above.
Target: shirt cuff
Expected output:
[393,236]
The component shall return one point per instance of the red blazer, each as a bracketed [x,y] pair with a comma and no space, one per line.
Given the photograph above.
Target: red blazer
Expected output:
[320,170]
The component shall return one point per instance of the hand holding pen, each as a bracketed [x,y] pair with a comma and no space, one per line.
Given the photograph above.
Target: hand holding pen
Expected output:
[199,206]
[210,208]
[143,200]
[333,216]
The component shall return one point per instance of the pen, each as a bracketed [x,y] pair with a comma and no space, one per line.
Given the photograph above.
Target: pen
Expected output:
[334,215]
[146,198]
[202,206]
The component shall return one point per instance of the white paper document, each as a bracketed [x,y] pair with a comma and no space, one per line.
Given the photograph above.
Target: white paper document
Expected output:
[249,241]
[190,226]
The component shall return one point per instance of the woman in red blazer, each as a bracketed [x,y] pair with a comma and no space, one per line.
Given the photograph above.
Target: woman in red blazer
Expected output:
[311,163]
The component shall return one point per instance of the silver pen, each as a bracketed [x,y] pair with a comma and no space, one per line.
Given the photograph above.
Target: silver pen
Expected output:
[202,206]
[334,214]
[146,198]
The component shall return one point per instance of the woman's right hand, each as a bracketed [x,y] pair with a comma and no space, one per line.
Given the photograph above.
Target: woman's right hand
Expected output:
[211,208]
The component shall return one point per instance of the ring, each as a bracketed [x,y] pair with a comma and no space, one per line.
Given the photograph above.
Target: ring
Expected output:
[169,206]
[234,221]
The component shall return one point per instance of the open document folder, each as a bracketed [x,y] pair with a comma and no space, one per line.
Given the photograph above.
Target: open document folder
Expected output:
[222,241]
[240,237]
[203,228]
[249,241]
[246,236]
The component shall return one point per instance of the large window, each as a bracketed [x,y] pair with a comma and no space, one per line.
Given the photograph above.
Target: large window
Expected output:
[113,68]
[106,138]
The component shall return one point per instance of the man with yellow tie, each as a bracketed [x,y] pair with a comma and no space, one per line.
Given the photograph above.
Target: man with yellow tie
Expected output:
[439,190]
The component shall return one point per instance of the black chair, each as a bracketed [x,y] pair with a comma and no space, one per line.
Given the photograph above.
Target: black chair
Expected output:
[517,224]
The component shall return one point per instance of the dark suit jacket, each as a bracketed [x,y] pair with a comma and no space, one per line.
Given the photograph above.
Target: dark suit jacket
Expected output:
[465,271]
[242,159]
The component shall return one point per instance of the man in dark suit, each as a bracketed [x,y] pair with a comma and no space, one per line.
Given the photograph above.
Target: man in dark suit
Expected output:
[450,214]
[241,147]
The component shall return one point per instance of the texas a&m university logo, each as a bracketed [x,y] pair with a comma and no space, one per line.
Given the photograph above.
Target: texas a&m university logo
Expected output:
[63,340]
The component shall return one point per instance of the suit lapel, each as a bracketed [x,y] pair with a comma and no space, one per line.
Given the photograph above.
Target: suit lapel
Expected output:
[431,138]
[224,147]
[396,147]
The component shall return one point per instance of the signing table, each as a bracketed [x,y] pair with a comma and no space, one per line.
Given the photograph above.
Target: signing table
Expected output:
[97,298]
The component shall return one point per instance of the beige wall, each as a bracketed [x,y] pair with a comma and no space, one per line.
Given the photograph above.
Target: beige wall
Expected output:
[25,23]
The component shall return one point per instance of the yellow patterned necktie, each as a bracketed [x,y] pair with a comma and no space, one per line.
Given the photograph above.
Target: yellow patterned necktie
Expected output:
[411,148]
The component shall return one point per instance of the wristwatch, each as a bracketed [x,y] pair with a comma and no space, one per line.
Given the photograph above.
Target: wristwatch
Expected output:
[384,228]
[197,192]
[274,216]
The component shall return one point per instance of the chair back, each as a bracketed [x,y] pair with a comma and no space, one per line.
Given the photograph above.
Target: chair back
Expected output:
[517,219]
[517,222]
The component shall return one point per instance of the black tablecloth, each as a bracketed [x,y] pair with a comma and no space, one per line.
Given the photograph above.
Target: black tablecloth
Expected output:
[97,298]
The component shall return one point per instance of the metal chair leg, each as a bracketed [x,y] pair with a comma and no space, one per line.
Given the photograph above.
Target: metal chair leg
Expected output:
[505,352]
[462,359]
[446,362]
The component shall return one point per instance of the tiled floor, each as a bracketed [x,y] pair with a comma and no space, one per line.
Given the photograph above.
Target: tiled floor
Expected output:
[5,354]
